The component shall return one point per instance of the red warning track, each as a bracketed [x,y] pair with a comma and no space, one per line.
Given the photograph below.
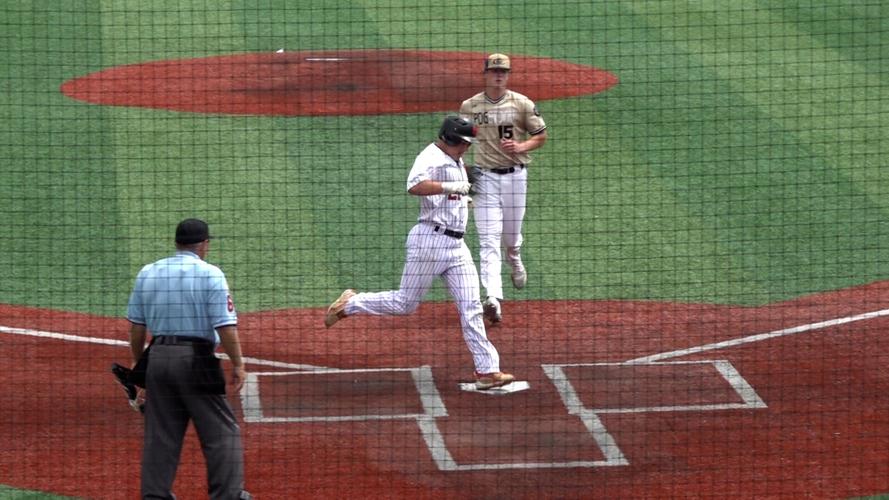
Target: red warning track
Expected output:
[817,363]
[353,82]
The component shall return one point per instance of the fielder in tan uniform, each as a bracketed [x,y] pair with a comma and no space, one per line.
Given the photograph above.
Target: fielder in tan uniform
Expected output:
[509,127]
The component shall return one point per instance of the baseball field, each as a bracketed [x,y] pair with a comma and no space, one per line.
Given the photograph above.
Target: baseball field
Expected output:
[706,241]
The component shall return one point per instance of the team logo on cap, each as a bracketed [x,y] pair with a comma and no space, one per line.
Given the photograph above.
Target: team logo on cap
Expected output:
[497,61]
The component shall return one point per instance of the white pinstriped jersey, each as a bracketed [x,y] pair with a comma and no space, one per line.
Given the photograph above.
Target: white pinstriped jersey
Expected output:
[513,116]
[450,211]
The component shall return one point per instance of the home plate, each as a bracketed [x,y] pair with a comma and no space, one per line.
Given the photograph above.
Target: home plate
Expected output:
[518,385]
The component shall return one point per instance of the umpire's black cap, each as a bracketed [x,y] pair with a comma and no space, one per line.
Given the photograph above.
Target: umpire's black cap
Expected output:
[191,231]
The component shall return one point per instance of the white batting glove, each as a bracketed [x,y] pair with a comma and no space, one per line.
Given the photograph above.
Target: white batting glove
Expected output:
[455,187]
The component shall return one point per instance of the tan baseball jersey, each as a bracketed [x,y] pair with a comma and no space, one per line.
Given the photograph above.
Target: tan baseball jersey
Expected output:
[513,116]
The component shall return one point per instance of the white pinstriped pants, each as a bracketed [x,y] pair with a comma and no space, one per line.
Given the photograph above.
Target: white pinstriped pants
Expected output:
[429,255]
[499,203]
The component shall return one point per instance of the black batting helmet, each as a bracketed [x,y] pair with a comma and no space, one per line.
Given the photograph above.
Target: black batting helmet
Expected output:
[455,130]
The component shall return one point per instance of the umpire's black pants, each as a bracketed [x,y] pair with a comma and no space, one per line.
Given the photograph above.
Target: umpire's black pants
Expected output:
[172,400]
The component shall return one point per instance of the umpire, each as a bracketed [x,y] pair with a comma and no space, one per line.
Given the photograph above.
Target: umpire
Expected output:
[185,304]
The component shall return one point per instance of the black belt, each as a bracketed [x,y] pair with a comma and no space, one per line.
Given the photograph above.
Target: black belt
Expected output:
[447,232]
[507,170]
[179,340]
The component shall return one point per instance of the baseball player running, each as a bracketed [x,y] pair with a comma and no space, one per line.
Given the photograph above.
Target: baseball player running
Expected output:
[435,247]
[509,128]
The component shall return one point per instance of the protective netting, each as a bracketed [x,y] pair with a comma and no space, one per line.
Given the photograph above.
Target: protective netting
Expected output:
[698,310]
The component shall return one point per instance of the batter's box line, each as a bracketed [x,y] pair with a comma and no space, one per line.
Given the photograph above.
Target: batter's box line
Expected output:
[430,399]
[750,399]
[590,416]
[433,407]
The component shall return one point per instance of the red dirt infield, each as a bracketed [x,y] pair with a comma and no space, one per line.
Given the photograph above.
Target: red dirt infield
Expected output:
[817,363]
[344,82]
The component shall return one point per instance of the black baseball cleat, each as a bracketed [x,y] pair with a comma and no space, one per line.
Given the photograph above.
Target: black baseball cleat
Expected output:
[122,376]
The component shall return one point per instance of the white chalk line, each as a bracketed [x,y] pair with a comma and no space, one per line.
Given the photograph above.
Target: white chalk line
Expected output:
[759,337]
[122,343]
[642,360]
[435,441]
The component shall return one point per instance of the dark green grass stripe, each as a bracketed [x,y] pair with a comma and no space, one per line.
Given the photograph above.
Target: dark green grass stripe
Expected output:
[16,494]
[859,30]
[312,25]
[801,81]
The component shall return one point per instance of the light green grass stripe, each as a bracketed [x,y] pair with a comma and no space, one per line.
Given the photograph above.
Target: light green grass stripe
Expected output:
[607,222]
[134,31]
[834,106]
[161,158]
[776,199]
[55,188]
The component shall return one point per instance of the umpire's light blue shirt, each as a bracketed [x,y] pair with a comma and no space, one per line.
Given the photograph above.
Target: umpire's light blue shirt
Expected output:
[182,295]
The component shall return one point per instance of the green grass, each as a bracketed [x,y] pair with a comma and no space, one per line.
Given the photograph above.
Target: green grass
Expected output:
[16,494]
[739,160]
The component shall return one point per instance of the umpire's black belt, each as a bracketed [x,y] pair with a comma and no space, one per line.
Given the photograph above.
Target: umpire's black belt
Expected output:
[180,340]
[507,170]
[447,232]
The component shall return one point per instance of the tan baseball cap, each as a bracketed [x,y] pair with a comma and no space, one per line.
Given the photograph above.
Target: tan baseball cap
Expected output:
[497,61]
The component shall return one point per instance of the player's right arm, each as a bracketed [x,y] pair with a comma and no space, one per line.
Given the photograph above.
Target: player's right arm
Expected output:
[136,316]
[432,188]
[137,341]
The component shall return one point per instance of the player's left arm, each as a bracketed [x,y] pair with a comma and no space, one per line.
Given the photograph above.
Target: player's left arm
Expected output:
[535,126]
[231,344]
[533,142]
[530,144]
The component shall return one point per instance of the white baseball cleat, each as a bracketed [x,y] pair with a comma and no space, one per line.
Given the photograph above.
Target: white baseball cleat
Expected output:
[519,275]
[491,309]
[337,310]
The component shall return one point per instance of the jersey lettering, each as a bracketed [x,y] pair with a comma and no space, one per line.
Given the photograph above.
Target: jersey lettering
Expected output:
[513,117]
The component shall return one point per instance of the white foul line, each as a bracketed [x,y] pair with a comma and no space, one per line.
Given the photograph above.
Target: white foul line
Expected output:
[61,336]
[762,336]
[123,343]
[645,359]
